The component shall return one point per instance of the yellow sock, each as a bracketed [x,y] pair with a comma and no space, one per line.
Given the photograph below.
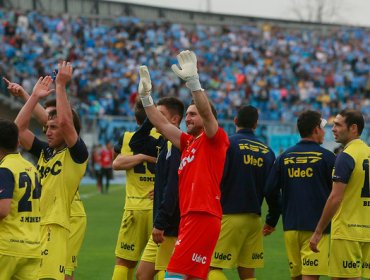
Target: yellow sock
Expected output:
[160,275]
[216,274]
[120,273]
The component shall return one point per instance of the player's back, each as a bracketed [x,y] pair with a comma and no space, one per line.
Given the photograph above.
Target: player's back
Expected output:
[20,230]
[305,178]
[248,163]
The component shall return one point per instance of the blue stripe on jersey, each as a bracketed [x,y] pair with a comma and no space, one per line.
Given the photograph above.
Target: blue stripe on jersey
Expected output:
[7,183]
[344,166]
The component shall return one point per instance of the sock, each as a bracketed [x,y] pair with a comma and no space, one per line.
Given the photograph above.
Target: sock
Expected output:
[161,274]
[250,279]
[68,272]
[216,274]
[120,273]
[173,276]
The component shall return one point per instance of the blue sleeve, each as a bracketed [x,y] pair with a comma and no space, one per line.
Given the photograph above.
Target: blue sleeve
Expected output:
[7,183]
[37,147]
[142,143]
[272,195]
[79,152]
[344,166]
[170,201]
[118,146]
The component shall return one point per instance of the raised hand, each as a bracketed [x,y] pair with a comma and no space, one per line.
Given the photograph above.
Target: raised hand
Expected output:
[64,73]
[41,88]
[145,86]
[189,71]
[15,89]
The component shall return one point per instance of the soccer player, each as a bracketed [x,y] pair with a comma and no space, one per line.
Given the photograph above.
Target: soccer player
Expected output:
[203,151]
[248,163]
[64,154]
[78,219]
[166,211]
[20,192]
[137,219]
[303,173]
[348,206]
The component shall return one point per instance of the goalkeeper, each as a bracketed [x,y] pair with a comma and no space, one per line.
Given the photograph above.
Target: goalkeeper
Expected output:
[203,151]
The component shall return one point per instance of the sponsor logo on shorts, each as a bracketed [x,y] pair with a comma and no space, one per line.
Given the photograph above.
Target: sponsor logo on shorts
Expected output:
[61,268]
[257,256]
[126,246]
[351,264]
[222,256]
[309,262]
[199,258]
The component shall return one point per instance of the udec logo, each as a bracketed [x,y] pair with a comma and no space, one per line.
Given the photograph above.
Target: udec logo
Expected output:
[199,258]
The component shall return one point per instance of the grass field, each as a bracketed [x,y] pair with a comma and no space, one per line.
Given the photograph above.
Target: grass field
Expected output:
[104,212]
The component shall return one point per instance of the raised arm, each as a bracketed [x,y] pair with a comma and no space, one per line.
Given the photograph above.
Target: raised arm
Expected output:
[189,73]
[64,110]
[18,91]
[40,91]
[163,126]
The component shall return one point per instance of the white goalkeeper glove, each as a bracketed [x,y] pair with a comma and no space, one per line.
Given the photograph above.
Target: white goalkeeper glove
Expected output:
[188,72]
[145,87]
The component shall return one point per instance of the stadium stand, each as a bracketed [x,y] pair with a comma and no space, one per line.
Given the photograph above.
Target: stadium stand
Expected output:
[280,67]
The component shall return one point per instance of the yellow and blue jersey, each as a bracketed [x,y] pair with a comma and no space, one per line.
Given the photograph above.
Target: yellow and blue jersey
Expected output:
[166,212]
[20,229]
[352,167]
[139,179]
[60,173]
[303,174]
[248,163]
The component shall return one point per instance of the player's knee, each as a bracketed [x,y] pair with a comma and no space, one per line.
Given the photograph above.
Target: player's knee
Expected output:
[216,274]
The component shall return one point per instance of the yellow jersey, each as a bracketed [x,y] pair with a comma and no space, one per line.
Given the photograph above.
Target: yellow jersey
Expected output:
[139,180]
[20,230]
[60,178]
[351,221]
[77,207]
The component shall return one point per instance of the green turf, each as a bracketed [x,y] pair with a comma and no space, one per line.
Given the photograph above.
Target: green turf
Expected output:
[104,212]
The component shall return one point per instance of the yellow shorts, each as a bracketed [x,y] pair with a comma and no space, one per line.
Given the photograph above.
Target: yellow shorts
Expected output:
[240,242]
[302,260]
[19,268]
[349,259]
[160,255]
[136,228]
[54,240]
[76,237]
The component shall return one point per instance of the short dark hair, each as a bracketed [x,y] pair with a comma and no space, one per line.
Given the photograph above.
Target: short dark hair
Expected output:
[50,103]
[139,112]
[353,117]
[213,109]
[307,121]
[8,135]
[75,118]
[173,104]
[247,116]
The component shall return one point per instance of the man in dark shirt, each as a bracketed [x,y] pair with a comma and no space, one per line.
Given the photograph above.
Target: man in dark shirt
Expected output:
[248,164]
[303,173]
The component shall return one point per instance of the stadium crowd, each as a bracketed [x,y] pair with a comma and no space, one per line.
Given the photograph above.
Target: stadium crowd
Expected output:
[281,72]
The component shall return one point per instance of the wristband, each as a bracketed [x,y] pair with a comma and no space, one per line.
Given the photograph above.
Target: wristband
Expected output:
[193,84]
[147,100]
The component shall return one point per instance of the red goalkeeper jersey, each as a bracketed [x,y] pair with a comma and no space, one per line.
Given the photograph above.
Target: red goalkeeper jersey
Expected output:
[200,172]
